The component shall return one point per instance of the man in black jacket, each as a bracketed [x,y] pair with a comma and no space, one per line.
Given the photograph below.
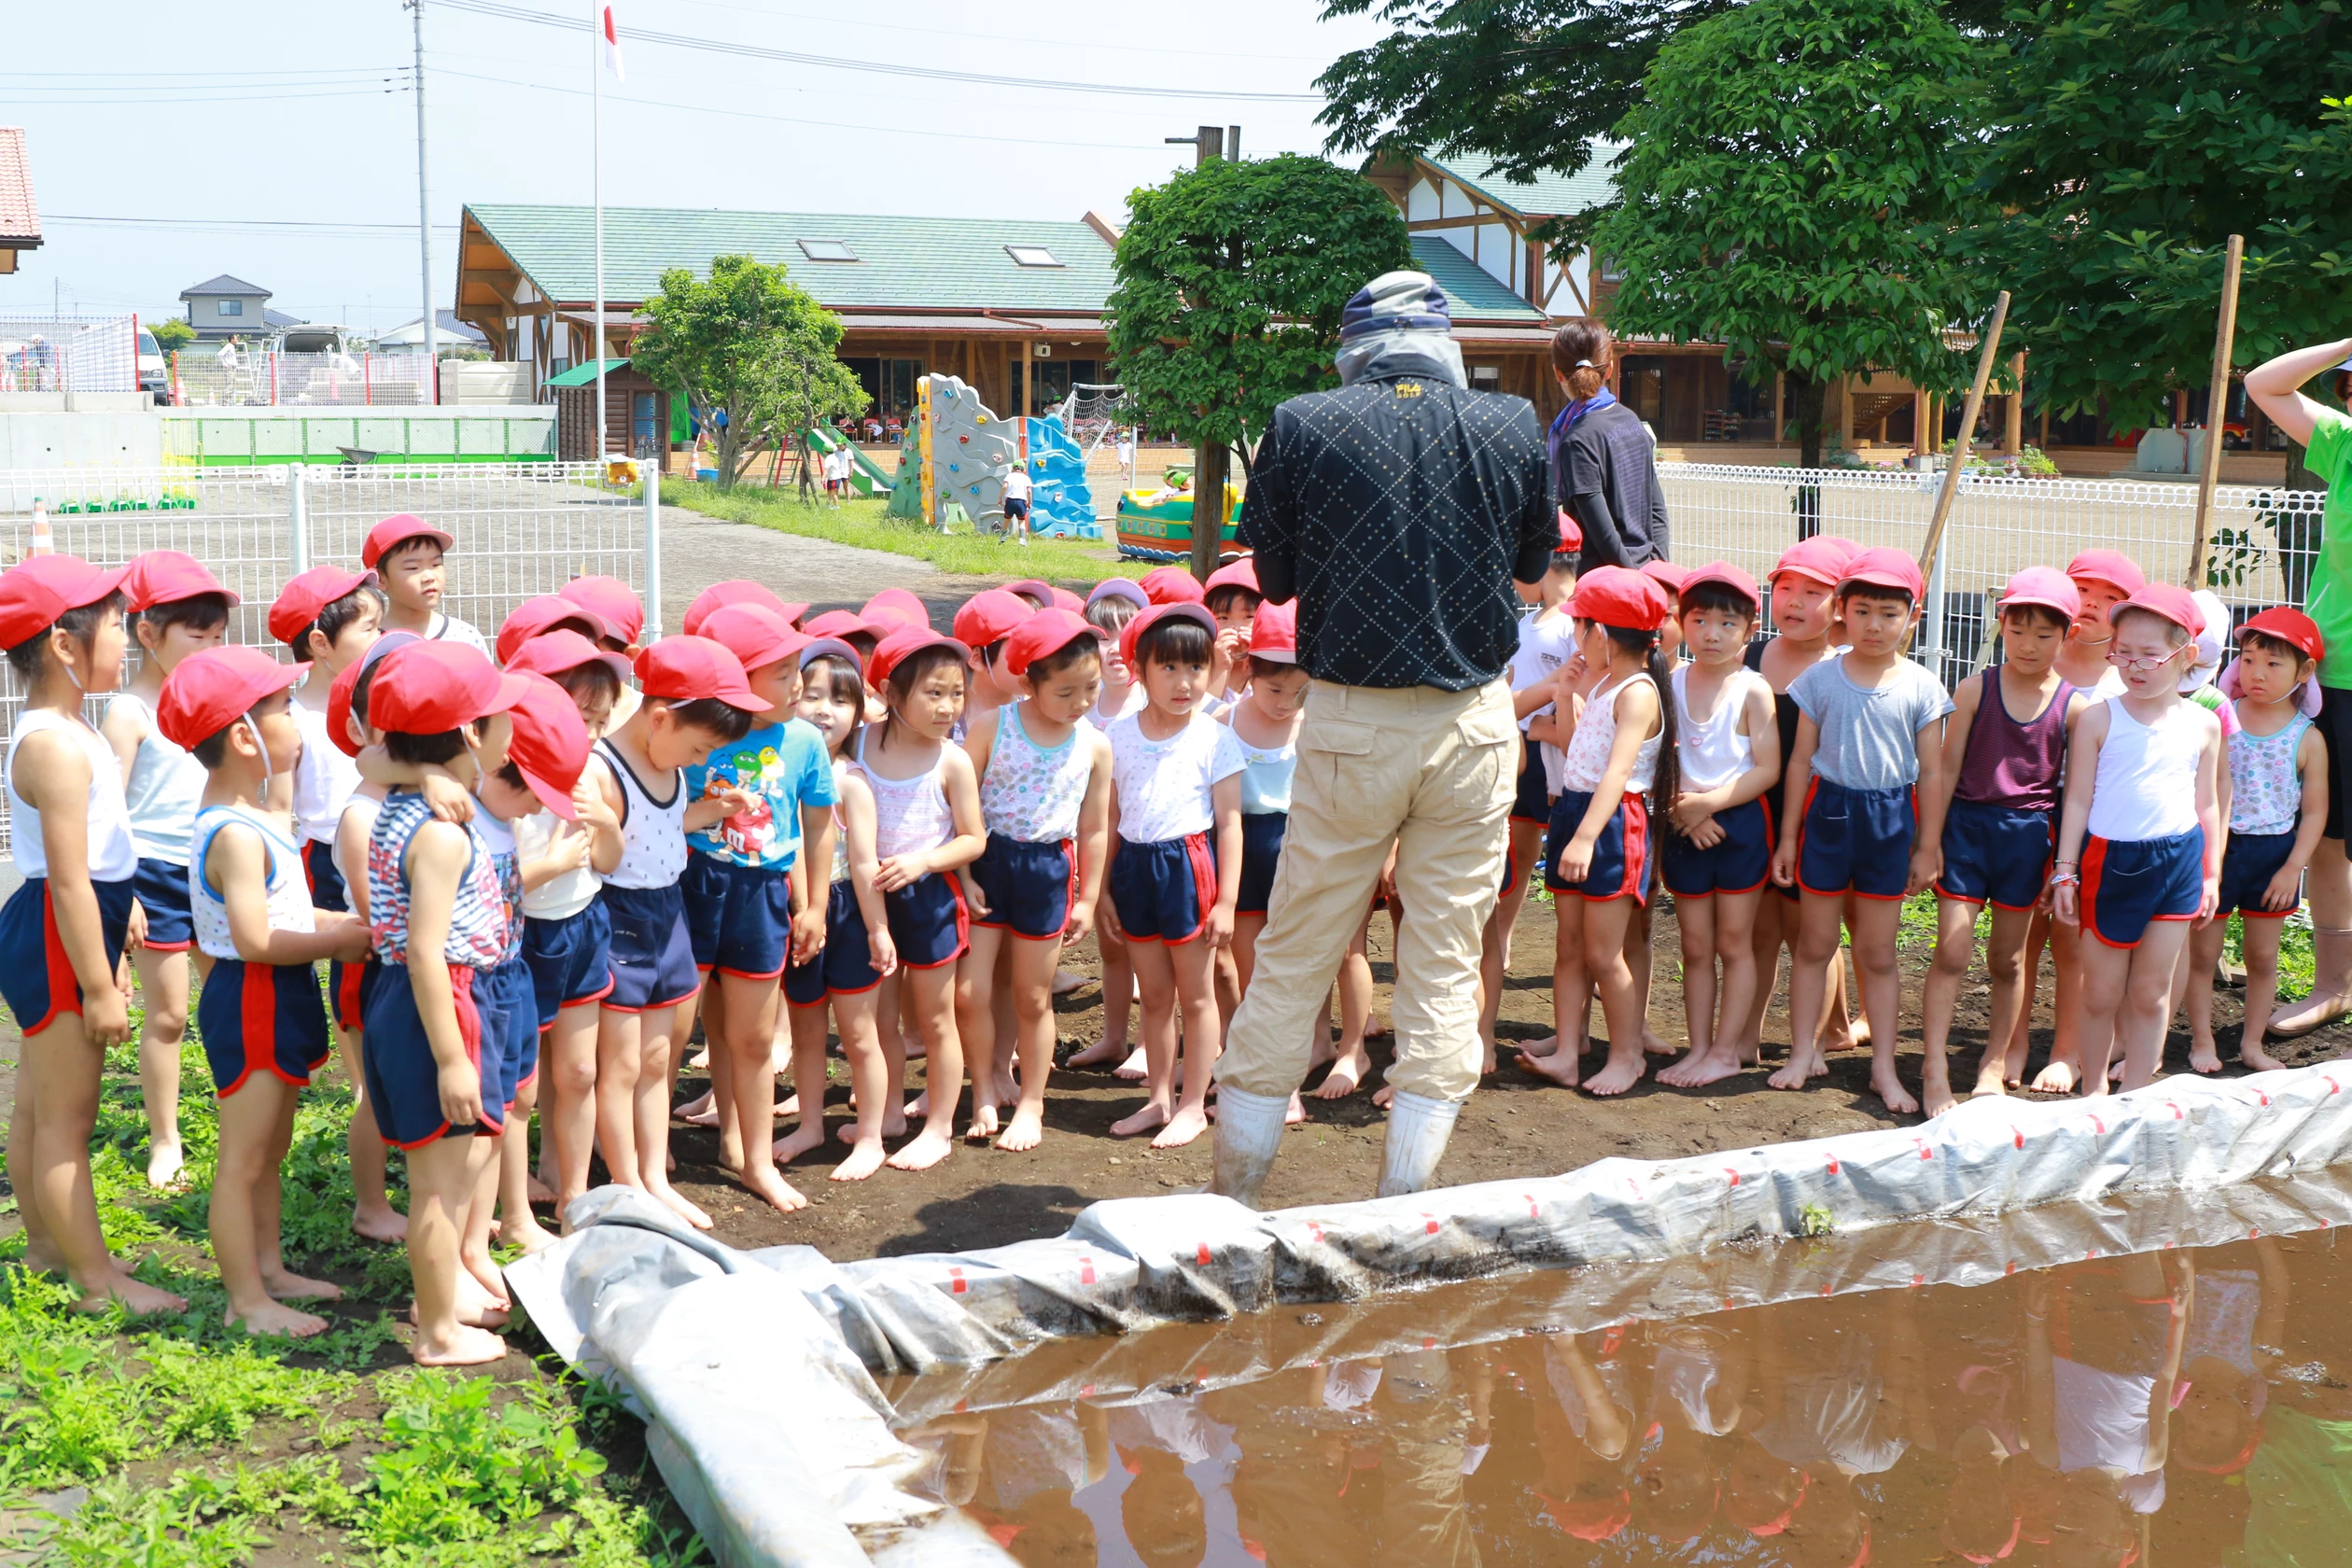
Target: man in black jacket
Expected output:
[1397,511]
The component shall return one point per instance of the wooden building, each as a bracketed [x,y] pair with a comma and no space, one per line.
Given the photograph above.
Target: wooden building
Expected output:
[636,413]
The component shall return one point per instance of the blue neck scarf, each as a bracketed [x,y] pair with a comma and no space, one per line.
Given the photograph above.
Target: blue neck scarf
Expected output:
[1566,419]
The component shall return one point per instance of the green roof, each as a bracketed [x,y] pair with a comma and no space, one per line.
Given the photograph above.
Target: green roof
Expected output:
[902,262]
[585,373]
[1473,291]
[1548,195]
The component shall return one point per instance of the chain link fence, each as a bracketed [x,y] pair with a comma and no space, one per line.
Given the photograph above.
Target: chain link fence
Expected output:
[47,353]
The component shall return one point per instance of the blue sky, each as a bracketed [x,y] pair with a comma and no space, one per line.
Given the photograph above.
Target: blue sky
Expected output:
[223,129]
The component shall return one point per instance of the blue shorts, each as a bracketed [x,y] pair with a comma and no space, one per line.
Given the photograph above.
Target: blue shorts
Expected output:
[1164,891]
[1015,508]
[162,892]
[739,917]
[1620,856]
[1997,855]
[1532,801]
[328,890]
[652,957]
[928,922]
[1857,840]
[347,989]
[260,1018]
[36,978]
[1741,862]
[508,1003]
[2127,885]
[1262,834]
[846,966]
[2249,861]
[404,1082]
[1029,885]
[570,960]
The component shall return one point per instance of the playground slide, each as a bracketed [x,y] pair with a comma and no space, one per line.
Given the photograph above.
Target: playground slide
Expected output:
[866,476]
[970,450]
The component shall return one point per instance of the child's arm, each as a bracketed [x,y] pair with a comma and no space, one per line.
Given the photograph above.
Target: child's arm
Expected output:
[1762,728]
[2311,761]
[1528,698]
[2089,733]
[963,806]
[1094,821]
[52,776]
[450,801]
[2212,762]
[1927,862]
[859,821]
[1935,798]
[598,797]
[1636,710]
[238,863]
[351,839]
[125,730]
[1224,805]
[713,809]
[1109,907]
[979,741]
[436,860]
[567,849]
[1801,774]
[815,855]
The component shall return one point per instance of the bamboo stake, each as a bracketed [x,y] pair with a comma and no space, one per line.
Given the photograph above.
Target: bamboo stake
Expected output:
[1989,352]
[2217,407]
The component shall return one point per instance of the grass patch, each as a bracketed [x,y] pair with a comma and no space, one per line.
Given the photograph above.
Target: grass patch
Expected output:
[864,523]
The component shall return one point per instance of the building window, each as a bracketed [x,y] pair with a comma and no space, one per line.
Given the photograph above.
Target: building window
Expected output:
[828,250]
[1031,256]
[232,307]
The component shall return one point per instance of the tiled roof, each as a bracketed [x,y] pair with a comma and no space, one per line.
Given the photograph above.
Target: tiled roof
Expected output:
[1472,290]
[224,284]
[20,220]
[1548,195]
[939,262]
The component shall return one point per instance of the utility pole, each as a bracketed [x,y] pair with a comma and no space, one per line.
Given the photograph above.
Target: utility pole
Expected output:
[596,71]
[1211,460]
[424,207]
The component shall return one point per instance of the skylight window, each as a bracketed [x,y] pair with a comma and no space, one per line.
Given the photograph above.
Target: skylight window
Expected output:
[828,250]
[1031,256]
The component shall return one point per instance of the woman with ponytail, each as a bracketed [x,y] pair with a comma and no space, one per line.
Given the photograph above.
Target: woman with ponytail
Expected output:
[1618,775]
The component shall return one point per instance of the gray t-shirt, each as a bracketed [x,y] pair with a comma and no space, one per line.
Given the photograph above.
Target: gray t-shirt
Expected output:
[1868,737]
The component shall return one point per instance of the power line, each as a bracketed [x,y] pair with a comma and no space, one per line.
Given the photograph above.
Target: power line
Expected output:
[224,224]
[308,71]
[900,27]
[186,101]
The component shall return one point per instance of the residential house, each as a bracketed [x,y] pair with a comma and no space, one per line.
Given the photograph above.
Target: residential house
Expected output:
[229,307]
[20,218]
[450,336]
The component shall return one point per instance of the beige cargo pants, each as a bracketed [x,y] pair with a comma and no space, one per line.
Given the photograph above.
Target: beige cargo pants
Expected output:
[1432,772]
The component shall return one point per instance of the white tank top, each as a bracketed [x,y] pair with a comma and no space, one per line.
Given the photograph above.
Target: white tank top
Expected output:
[114,855]
[1031,793]
[1714,753]
[652,832]
[1587,756]
[289,890]
[911,815]
[165,784]
[2147,783]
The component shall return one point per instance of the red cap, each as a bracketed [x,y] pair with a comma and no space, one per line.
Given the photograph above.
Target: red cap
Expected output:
[1184,610]
[551,653]
[208,691]
[37,590]
[299,601]
[614,601]
[1818,558]
[895,607]
[689,668]
[1274,633]
[2110,567]
[2290,626]
[1589,1519]
[1171,586]
[1064,599]
[1618,596]
[2175,605]
[1043,635]
[1667,575]
[1570,536]
[393,529]
[1884,567]
[845,623]
[346,686]
[1235,574]
[989,616]
[533,617]
[2046,586]
[895,649]
[167,576]
[1032,588]
[734,591]
[430,687]
[550,744]
[754,634]
[1723,574]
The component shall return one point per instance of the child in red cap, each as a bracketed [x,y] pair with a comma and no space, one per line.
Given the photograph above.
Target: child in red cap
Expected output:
[181,608]
[1867,739]
[1232,595]
[1114,602]
[2139,847]
[407,554]
[263,1025]
[2103,579]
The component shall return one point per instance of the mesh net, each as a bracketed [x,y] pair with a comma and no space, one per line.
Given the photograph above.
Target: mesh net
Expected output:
[1095,411]
[68,355]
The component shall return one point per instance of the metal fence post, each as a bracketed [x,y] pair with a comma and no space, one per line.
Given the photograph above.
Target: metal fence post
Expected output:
[652,471]
[297,516]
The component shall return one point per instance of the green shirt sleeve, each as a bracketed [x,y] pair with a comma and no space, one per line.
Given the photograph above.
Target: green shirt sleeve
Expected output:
[2328,598]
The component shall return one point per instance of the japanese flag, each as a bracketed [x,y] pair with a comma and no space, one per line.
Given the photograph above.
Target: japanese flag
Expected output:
[612,46]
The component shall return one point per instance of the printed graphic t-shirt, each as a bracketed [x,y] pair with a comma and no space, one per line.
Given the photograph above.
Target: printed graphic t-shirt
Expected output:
[786,767]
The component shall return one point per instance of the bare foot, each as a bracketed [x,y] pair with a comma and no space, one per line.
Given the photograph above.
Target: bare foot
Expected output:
[929,1148]
[699,1062]
[1796,1073]
[788,1107]
[1992,1078]
[698,1112]
[1653,1045]
[1702,1068]
[1543,1047]
[1345,1077]
[1189,1123]
[984,1122]
[1295,1112]
[1375,1029]
[467,1347]
[1616,1077]
[524,1231]
[2202,1058]
[390,1224]
[2059,1076]
[1101,1051]
[1940,1097]
[1485,1058]
[1559,1068]
[271,1317]
[2255,1059]
[1065,982]
[136,1296]
[1023,1133]
[1382,1096]
[865,1158]
[486,1277]
[1154,1114]
[679,1205]
[763,1182]
[1008,1090]
[919,1106]
[802,1139]
[537,1191]
[476,1307]
[1888,1087]
[164,1163]
[283,1286]
[1134,1069]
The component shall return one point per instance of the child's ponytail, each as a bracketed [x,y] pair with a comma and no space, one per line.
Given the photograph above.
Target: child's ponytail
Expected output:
[1668,779]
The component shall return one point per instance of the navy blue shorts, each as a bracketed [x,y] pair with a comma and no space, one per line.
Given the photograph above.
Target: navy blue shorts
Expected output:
[739,917]
[2249,861]
[1533,802]
[347,989]
[36,979]
[2130,884]
[1857,840]
[162,892]
[1997,855]
[652,957]
[845,967]
[404,1082]
[1029,885]
[1164,891]
[508,1002]
[570,960]
[328,890]
[1620,856]
[1739,862]
[1017,509]
[928,922]
[261,1018]
[1262,834]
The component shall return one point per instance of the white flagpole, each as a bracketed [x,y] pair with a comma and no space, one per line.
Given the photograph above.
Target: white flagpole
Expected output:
[595,69]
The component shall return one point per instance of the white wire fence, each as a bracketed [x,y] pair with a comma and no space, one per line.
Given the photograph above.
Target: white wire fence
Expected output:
[2263,541]
[521,529]
[230,377]
[45,354]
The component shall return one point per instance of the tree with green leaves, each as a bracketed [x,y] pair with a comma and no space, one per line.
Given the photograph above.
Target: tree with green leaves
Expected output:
[172,332]
[1794,170]
[751,351]
[1231,279]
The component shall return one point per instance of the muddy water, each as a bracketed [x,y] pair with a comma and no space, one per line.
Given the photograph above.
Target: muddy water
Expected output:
[2174,1407]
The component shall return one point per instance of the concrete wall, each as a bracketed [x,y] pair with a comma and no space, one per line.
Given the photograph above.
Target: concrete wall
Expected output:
[78,438]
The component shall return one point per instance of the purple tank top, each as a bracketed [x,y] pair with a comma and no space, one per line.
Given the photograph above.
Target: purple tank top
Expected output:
[2020,767]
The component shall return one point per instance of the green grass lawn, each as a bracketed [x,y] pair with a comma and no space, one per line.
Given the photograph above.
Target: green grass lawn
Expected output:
[864,523]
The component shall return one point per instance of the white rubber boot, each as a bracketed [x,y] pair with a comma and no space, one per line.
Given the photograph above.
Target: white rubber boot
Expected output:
[2332,974]
[1418,1129]
[1249,1136]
